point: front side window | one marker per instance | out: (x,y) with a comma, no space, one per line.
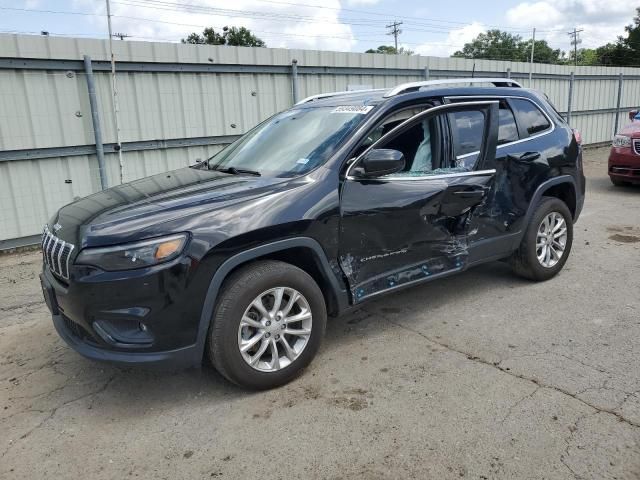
(467,129)
(529,116)
(428,148)
(293,142)
(507,129)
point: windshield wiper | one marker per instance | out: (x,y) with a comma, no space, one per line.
(237,171)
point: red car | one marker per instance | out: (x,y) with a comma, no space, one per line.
(624,159)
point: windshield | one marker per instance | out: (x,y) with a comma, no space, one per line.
(292,142)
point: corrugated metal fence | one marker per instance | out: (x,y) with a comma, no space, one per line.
(179,103)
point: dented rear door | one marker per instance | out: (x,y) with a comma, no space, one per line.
(405,228)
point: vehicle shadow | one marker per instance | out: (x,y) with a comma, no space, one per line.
(603,184)
(162,388)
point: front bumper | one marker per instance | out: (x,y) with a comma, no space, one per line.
(624,165)
(147,317)
(182,357)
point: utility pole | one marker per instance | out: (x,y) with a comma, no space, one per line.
(533,45)
(575,40)
(395,31)
(114,94)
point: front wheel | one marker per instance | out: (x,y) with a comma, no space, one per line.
(546,243)
(267,326)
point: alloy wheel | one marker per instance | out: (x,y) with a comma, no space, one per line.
(551,239)
(274,329)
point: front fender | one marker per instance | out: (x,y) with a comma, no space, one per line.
(339,292)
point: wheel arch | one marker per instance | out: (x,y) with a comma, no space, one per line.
(302,252)
(562,187)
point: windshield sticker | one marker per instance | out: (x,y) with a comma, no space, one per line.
(353,109)
(303,161)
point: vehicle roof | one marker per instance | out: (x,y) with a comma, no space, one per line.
(376,97)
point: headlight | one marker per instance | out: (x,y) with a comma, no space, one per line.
(134,255)
(620,141)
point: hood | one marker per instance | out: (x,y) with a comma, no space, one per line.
(633,129)
(156,205)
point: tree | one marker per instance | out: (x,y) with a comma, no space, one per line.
(542,52)
(390,50)
(496,45)
(499,45)
(242,37)
(234,36)
(633,33)
(208,37)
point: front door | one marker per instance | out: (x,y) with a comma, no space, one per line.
(413,225)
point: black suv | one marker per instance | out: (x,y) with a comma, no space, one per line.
(341,198)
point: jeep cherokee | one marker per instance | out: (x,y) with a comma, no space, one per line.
(333,202)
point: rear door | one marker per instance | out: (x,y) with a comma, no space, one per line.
(413,225)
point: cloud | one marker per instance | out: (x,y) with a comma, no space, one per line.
(455,40)
(279,25)
(358,3)
(602,22)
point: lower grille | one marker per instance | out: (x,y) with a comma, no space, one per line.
(56,253)
(625,170)
(76,329)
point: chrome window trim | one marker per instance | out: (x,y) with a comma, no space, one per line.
(519,97)
(421,177)
(440,176)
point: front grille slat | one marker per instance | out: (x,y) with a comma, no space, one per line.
(56,253)
(636,146)
(59,259)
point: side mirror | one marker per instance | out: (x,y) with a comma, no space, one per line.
(381,161)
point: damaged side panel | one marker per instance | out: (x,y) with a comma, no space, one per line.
(398,231)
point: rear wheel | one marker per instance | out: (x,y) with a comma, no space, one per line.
(546,243)
(267,325)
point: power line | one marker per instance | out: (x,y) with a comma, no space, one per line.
(361,36)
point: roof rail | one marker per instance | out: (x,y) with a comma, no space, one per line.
(333,94)
(413,86)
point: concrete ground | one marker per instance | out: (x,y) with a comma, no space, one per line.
(478,376)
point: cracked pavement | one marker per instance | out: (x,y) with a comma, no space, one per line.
(482,375)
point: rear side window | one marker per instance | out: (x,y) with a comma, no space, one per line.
(467,129)
(530,117)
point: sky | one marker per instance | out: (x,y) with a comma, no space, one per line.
(429,27)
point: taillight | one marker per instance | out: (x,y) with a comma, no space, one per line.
(577,135)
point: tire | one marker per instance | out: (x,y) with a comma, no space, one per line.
(618,183)
(236,302)
(525,261)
